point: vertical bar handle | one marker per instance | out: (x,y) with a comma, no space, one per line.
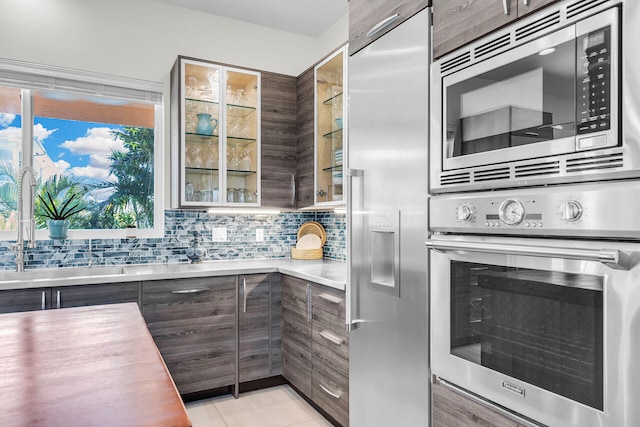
(308,302)
(43,301)
(505,5)
(293,190)
(355,203)
(244,294)
(58,299)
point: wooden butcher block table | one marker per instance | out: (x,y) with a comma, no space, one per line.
(86,366)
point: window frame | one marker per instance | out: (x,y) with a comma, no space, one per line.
(30,77)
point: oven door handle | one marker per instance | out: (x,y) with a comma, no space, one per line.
(613,258)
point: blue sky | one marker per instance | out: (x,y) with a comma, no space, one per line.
(76,148)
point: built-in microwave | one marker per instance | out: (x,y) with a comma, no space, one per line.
(539,102)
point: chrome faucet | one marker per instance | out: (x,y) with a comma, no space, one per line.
(18,247)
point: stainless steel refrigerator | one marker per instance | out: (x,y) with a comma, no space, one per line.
(387,228)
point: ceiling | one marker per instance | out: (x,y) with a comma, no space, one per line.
(307,17)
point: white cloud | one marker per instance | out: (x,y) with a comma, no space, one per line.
(90,172)
(11,133)
(98,144)
(6,119)
(40,133)
(62,165)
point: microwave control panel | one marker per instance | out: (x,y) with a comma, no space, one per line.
(594,81)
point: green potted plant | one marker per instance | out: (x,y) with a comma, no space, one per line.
(59,212)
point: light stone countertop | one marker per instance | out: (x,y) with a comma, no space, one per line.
(325,272)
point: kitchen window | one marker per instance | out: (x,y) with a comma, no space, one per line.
(96,135)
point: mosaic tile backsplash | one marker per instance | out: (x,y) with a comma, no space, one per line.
(280,235)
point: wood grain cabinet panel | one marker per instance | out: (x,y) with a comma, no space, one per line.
(16,300)
(458,22)
(278,140)
(296,333)
(366,14)
(315,345)
(532,6)
(105,293)
(453,409)
(305,140)
(193,322)
(259,327)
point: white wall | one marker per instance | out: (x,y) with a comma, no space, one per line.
(142,38)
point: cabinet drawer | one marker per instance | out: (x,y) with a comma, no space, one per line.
(330,300)
(106,293)
(330,341)
(188,298)
(331,391)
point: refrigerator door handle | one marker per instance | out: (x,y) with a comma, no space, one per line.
(352,314)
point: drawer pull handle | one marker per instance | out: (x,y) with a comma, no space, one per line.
(334,394)
(190,291)
(382,25)
(331,298)
(330,336)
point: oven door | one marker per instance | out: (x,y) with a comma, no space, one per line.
(546,329)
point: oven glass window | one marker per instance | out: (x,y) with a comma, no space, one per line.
(524,102)
(541,327)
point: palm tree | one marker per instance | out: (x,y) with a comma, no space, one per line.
(62,187)
(132,197)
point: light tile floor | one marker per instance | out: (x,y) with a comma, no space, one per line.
(277,406)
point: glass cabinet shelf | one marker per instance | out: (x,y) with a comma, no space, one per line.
(337,98)
(333,134)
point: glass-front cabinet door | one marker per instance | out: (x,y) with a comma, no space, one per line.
(330,128)
(215,135)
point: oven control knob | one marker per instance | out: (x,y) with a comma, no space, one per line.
(571,210)
(464,213)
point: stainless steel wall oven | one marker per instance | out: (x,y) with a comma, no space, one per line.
(547,327)
(546,100)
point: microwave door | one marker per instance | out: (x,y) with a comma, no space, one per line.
(518,105)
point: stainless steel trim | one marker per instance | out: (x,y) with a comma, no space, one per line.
(308,302)
(505,6)
(244,295)
(58,299)
(190,291)
(293,189)
(331,298)
(525,2)
(334,394)
(43,301)
(502,411)
(354,324)
(383,24)
(612,258)
(236,385)
(330,336)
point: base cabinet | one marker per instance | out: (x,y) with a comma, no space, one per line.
(453,409)
(259,327)
(193,323)
(315,346)
(17,300)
